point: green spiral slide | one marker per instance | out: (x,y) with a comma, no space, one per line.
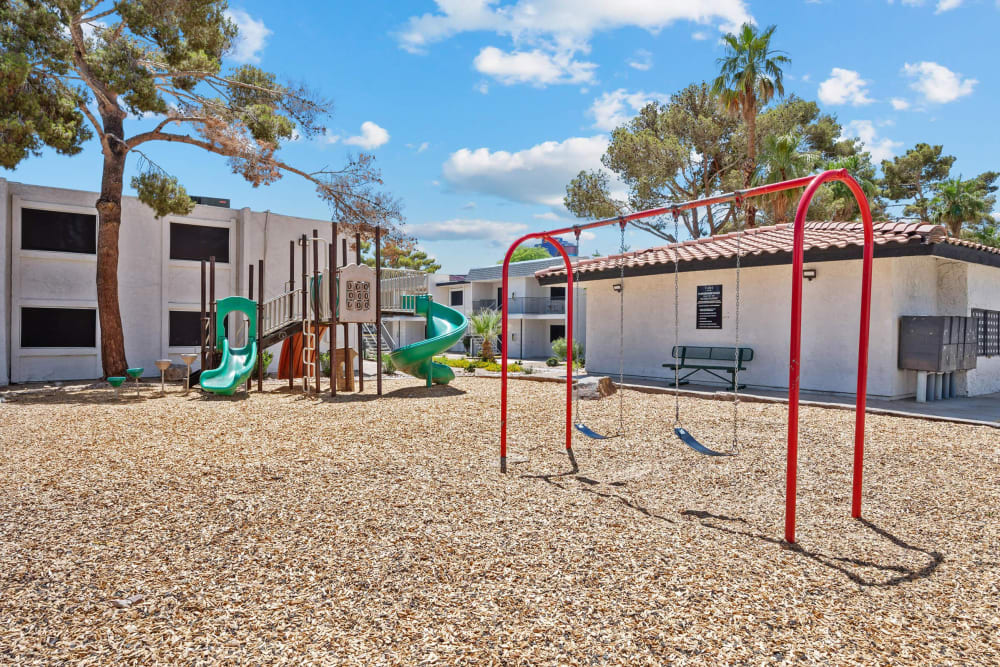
(445,327)
(237,363)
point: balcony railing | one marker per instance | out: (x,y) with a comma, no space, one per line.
(484,304)
(525,305)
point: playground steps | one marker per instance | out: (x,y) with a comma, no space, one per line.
(369,342)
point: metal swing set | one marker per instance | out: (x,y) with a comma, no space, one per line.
(811,185)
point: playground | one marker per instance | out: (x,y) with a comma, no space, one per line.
(278,526)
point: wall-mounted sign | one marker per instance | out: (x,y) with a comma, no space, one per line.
(356,294)
(709,313)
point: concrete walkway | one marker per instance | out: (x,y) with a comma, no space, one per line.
(984,409)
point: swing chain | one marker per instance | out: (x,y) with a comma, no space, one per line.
(621,331)
(739,201)
(677,329)
(576,319)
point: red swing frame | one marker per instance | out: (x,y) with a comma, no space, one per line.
(811,184)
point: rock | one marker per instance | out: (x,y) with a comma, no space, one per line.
(594,388)
(127,602)
(176,373)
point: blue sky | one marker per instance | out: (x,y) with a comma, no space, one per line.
(480,111)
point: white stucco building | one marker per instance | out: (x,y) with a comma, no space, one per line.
(48,287)
(918,270)
(537,313)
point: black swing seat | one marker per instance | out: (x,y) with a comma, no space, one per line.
(591,433)
(689,440)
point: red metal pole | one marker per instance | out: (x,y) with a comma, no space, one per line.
(863,342)
(795,345)
(504,347)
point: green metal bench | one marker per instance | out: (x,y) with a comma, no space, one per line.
(712,360)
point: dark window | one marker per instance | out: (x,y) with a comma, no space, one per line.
(988,331)
(185,328)
(197,242)
(58,231)
(557,293)
(58,327)
(556,331)
(457,297)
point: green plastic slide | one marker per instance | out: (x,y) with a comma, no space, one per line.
(445,327)
(237,363)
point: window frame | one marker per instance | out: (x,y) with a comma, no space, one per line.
(461,299)
(56,209)
(17,207)
(55,350)
(188,222)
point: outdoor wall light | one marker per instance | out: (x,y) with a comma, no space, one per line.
(617,287)
(809,274)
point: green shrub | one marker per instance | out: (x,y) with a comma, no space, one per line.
(559,349)
(324,363)
(268,357)
(388,368)
(552,361)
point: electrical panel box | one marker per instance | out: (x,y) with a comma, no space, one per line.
(938,344)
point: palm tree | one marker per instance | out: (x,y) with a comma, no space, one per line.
(782,158)
(958,202)
(749,77)
(486,323)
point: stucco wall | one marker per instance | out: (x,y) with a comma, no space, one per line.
(150,283)
(984,292)
(830,325)
(4,282)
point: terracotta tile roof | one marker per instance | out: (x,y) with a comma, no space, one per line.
(771,240)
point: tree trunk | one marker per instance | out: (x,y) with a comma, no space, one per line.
(109,210)
(751,163)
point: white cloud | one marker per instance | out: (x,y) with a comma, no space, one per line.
(468,206)
(899,104)
(372,136)
(548,215)
(329,137)
(537,175)
(881,148)
(937,83)
(420,148)
(947,5)
(699,35)
(535,67)
(483,87)
(844,87)
(252,37)
(544,32)
(495,232)
(617,107)
(642,60)
(563,22)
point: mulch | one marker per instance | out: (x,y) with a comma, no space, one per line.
(278,528)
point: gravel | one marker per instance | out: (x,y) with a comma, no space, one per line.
(277,528)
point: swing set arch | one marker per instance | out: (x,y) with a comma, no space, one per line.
(811,185)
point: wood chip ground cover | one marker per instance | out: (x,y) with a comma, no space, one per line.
(283,529)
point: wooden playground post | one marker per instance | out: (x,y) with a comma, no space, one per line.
(305,309)
(260,325)
(361,338)
(347,331)
(291,308)
(211,309)
(204,316)
(378,310)
(249,296)
(333,313)
(316,294)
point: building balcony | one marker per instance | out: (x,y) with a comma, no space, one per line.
(525,305)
